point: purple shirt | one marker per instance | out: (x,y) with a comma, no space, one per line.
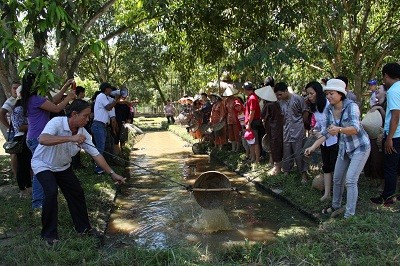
(37,117)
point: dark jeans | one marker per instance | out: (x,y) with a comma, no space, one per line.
(171,119)
(71,188)
(391,164)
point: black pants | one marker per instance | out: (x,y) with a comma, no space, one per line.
(390,168)
(329,155)
(24,178)
(73,193)
(76,161)
(171,119)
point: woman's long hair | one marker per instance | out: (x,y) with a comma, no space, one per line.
(320,103)
(27,90)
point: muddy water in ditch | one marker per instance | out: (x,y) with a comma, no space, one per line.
(155,212)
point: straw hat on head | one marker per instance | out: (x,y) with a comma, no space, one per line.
(266,93)
(230,91)
(197,97)
(216,95)
(336,85)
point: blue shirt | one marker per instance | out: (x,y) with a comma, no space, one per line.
(349,144)
(393,103)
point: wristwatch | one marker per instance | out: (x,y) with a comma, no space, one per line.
(340,130)
(111,172)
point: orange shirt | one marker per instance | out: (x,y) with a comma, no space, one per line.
(218,112)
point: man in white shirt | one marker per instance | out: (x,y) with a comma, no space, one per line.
(59,141)
(5,111)
(8,107)
(101,110)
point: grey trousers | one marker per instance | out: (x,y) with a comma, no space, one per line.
(293,151)
(347,172)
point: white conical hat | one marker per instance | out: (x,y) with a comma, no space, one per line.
(266,93)
(230,91)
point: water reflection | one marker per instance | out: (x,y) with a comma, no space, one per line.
(156,213)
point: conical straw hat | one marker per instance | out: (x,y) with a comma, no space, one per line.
(266,93)
(230,91)
(372,123)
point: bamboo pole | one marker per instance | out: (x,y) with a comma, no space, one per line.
(213,189)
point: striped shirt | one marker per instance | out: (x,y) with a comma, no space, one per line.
(350,144)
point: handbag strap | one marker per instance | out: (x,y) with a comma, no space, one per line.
(10,129)
(340,121)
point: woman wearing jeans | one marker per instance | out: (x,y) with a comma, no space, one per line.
(343,120)
(37,109)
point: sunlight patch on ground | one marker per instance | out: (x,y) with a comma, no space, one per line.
(294,230)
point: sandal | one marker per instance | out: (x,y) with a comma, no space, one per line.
(333,211)
(328,210)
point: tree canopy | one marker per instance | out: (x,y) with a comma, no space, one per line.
(170,47)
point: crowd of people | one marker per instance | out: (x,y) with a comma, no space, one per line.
(53,132)
(275,121)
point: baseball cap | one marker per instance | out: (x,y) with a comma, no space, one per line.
(372,82)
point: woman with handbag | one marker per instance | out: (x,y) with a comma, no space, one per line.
(37,109)
(343,120)
(20,126)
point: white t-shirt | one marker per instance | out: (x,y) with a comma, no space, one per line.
(9,104)
(321,122)
(58,158)
(100,112)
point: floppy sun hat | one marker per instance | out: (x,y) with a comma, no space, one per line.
(266,93)
(336,85)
